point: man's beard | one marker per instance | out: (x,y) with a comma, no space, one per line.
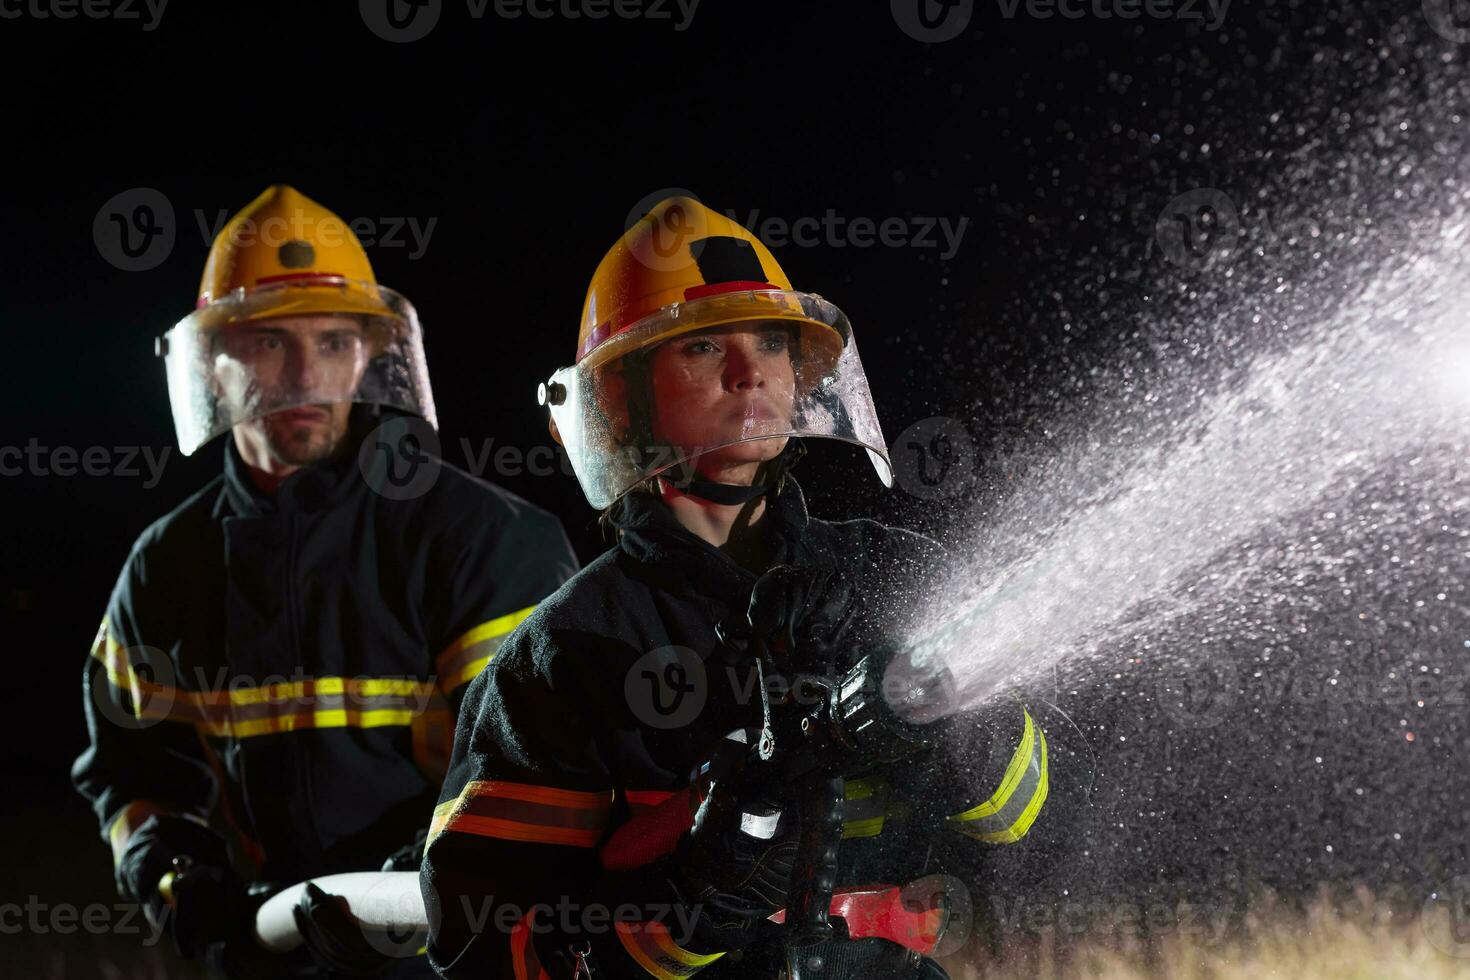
(302,445)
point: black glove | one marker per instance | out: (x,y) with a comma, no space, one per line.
(733,867)
(807,611)
(410,856)
(239,956)
(334,938)
(205,890)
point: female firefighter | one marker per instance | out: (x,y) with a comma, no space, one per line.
(622,797)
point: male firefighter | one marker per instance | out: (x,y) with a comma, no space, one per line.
(271,695)
(626,796)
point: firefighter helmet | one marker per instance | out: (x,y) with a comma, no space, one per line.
(683,268)
(286,256)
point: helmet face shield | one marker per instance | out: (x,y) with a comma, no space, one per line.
(287,345)
(748,367)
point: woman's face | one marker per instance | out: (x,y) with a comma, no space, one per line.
(717,386)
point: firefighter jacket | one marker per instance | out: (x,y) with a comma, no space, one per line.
(557,744)
(286,667)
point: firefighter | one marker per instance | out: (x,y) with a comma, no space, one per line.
(590,825)
(272,693)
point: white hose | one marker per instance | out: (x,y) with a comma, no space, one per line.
(386,904)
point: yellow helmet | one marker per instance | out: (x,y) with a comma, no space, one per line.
(682,267)
(679,252)
(286,256)
(285,238)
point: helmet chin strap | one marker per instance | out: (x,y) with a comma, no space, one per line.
(724,493)
(733,494)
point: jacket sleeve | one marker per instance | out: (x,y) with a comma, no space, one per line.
(986,776)
(145,773)
(495,571)
(512,877)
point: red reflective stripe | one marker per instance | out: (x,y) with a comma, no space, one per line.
(647,797)
(878,911)
(716,288)
(523,954)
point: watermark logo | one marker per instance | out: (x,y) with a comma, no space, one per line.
(1182,10)
(1445,918)
(1449,18)
(1198,695)
(932,21)
(667,687)
(1198,229)
(934,459)
(667,247)
(400,458)
(38,460)
(405,21)
(400,21)
(148,12)
(39,918)
(133,687)
(135,230)
(391,916)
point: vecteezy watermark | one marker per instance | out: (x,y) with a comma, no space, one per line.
(402,458)
(40,918)
(1197,694)
(404,21)
(667,687)
(1203,692)
(1449,18)
(934,458)
(1117,917)
(34,459)
(675,234)
(1184,10)
(1445,917)
(932,21)
(833,230)
(91,9)
(136,230)
(1198,229)
(570,917)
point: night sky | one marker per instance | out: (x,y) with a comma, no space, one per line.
(499,158)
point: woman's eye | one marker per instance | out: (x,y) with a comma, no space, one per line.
(700,347)
(773,342)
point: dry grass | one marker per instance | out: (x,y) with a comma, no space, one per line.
(1362,939)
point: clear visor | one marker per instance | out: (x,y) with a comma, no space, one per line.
(754,367)
(288,345)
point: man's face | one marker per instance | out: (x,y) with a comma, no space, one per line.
(310,363)
(714,387)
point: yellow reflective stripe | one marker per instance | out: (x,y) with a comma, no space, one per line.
(651,947)
(128,819)
(328,718)
(1020,760)
(874,790)
(525,812)
(433,738)
(243,712)
(463,659)
(1028,773)
(1023,823)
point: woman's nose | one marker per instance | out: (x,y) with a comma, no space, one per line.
(742,368)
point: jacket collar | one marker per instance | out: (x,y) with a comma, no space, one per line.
(684,562)
(316,487)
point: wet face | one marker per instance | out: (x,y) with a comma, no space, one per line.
(311,363)
(721,385)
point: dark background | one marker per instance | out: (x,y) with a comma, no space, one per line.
(529,141)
